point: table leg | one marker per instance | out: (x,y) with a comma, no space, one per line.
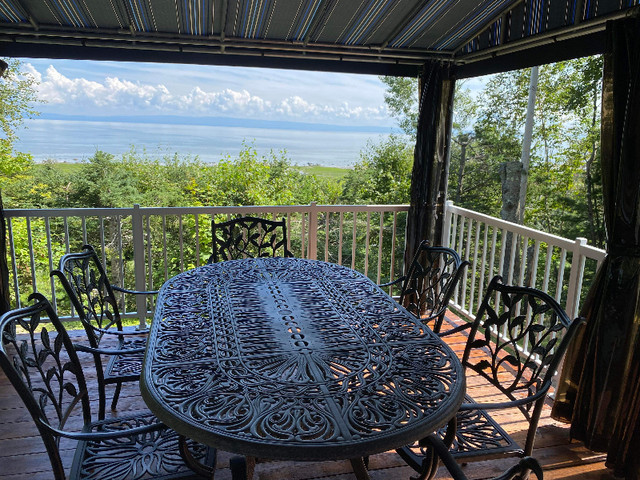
(359,469)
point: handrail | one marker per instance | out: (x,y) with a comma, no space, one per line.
(539,259)
(146,245)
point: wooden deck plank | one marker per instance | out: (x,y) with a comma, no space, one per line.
(22,454)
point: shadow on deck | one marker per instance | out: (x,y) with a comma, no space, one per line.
(22,454)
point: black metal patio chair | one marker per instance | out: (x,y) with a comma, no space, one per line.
(92,296)
(248,237)
(41,363)
(521,470)
(429,284)
(515,344)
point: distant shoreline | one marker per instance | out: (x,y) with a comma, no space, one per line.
(221,122)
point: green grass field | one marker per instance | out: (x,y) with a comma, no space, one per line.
(319,171)
(324,172)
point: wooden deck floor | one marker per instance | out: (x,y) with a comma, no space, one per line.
(22,454)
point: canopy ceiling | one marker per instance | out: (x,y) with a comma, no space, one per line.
(392,37)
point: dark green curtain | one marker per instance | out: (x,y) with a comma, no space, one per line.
(431,157)
(599,390)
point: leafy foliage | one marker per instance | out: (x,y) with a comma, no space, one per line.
(383,174)
(17,94)
(401,98)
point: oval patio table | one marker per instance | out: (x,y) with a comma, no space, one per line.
(293,359)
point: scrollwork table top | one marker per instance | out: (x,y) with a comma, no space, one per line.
(286,358)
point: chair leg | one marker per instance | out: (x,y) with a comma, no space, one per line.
(242,467)
(102,402)
(116,395)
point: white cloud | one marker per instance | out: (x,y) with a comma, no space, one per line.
(113,95)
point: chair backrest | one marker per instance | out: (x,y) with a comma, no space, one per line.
(430,282)
(248,237)
(42,365)
(87,285)
(522,332)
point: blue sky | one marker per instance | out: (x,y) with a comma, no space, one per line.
(120,88)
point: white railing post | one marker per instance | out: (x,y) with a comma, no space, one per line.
(139,264)
(446,227)
(313,231)
(575,277)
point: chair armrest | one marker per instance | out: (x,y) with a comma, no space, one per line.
(510,403)
(106,351)
(101,436)
(134,292)
(122,333)
(395,282)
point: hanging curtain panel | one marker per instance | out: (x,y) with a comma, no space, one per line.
(599,391)
(431,158)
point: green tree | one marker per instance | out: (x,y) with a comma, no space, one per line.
(17,96)
(383,174)
(401,97)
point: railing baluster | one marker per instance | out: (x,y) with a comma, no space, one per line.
(366,247)
(483,266)
(547,268)
(164,247)
(138,263)
(492,259)
(14,263)
(340,238)
(313,231)
(303,235)
(32,259)
(393,247)
(196,219)
(47,228)
(524,260)
(468,255)
(560,276)
(575,278)
(353,240)
(379,273)
(326,236)
(105,228)
(149,261)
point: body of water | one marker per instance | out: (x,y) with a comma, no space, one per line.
(74,140)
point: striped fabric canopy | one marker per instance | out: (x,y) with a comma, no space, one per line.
(375,36)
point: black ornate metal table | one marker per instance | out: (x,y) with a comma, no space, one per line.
(285,358)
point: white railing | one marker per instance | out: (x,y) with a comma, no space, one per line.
(562,267)
(143,247)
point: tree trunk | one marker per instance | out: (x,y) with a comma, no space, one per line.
(463,141)
(526,145)
(510,175)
